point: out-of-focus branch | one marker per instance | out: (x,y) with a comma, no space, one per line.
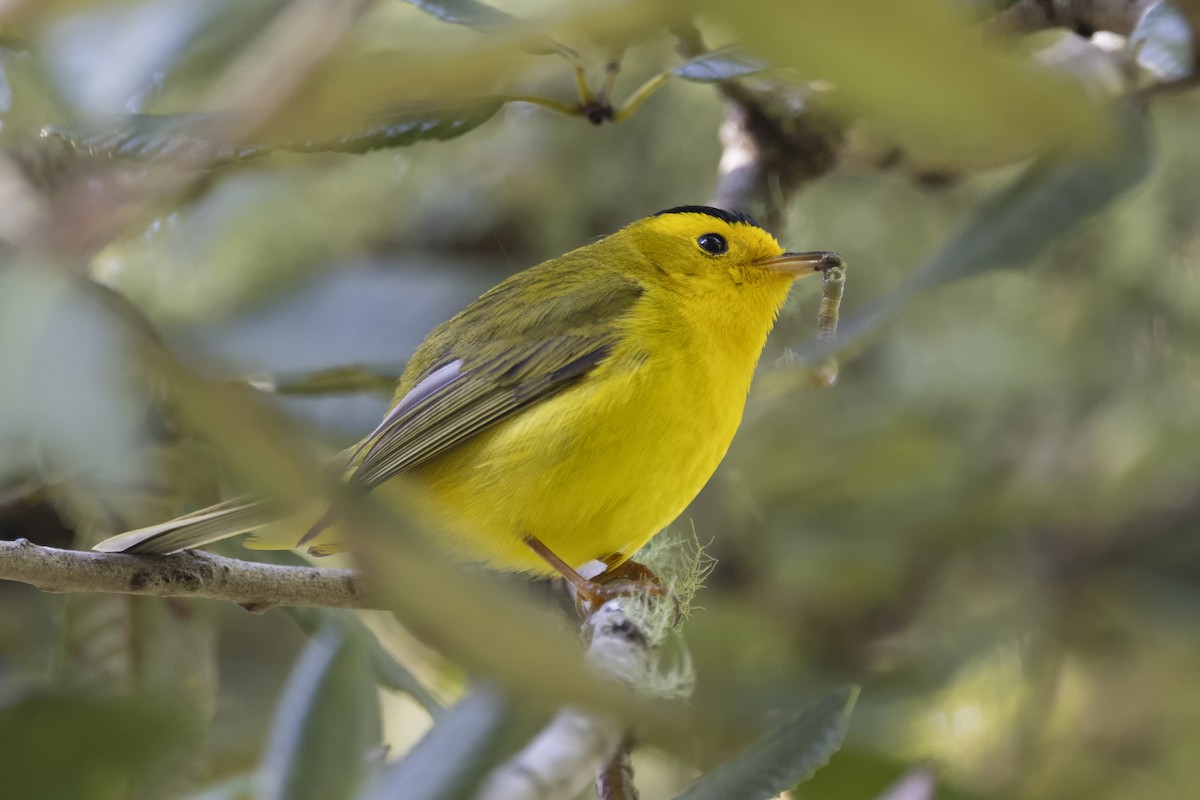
(773,142)
(615,782)
(254,586)
(1085,16)
(576,745)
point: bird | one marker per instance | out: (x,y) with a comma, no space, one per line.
(568,414)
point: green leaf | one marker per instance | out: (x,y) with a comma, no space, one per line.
(1050,198)
(327,723)
(182,137)
(720,66)
(920,73)
(64,745)
(198,138)
(389,673)
(784,757)
(239,787)
(456,755)
(408,124)
(108,58)
(1047,201)
(471,13)
(352,378)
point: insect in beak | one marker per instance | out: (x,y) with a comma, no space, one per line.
(801,264)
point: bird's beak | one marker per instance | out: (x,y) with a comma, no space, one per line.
(801,264)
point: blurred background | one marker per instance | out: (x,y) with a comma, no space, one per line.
(989,522)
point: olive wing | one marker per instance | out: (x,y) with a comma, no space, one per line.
(526,340)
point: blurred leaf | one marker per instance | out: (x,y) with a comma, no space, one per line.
(229,29)
(198,137)
(58,343)
(784,757)
(336,380)
(1046,202)
(719,66)
(471,13)
(1164,43)
(408,124)
(451,760)
(150,649)
(494,629)
(104,57)
(239,787)
(1049,198)
(857,774)
(986,8)
(189,138)
(115,57)
(921,73)
(389,672)
(355,90)
(74,746)
(327,723)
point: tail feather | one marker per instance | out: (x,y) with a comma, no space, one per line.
(197,529)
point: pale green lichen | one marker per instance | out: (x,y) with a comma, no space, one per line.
(681,563)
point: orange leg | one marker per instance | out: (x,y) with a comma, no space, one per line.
(627,579)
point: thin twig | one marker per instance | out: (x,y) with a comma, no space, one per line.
(615,782)
(254,586)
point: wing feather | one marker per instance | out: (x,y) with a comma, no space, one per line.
(496,358)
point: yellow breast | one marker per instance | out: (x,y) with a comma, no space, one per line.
(598,469)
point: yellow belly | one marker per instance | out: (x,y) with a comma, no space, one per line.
(592,472)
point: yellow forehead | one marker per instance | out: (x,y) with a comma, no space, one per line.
(747,242)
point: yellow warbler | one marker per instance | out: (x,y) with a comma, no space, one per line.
(570,413)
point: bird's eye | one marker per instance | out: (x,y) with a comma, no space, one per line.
(713,243)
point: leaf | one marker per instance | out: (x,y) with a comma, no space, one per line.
(352,378)
(157,652)
(198,138)
(1050,198)
(494,629)
(58,342)
(239,787)
(409,124)
(784,757)
(720,66)
(117,57)
(389,673)
(471,13)
(1047,200)
(327,723)
(192,138)
(921,74)
(1163,42)
(108,745)
(483,18)
(454,757)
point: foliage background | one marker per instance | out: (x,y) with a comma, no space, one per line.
(988,523)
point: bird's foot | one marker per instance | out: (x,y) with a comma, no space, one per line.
(625,579)
(629,579)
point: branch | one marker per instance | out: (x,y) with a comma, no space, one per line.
(771,144)
(254,586)
(615,782)
(1085,16)
(576,745)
